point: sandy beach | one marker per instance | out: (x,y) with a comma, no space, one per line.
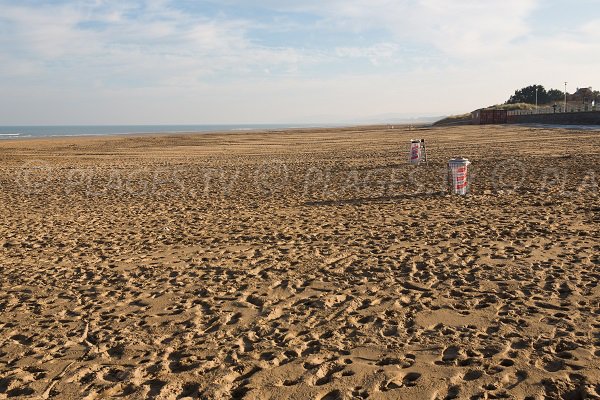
(305,264)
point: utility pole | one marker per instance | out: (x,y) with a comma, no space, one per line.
(565,96)
(536,98)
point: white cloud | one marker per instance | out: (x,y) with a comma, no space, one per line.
(46,32)
(457,26)
(474,28)
(375,53)
(152,45)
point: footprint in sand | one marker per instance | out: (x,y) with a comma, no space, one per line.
(325,374)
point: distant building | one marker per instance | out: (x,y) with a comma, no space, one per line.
(486,116)
(584,95)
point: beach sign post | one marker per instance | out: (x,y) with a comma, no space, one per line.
(458,175)
(417,152)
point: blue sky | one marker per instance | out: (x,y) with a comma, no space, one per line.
(234,61)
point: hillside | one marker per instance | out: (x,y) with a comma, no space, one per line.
(465,119)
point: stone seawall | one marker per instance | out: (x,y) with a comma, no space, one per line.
(570,118)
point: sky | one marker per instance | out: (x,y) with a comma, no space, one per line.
(279,61)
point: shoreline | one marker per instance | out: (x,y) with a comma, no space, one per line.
(6,132)
(287,130)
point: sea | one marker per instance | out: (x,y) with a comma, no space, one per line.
(38,131)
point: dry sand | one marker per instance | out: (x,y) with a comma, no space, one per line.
(301,265)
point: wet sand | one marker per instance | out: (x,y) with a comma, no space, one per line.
(307,264)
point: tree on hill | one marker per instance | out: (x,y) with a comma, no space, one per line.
(527,95)
(555,95)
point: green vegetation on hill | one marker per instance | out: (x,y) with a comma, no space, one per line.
(513,106)
(528,95)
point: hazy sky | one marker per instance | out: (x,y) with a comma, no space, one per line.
(258,61)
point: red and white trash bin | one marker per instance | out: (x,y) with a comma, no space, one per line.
(415,153)
(458,175)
